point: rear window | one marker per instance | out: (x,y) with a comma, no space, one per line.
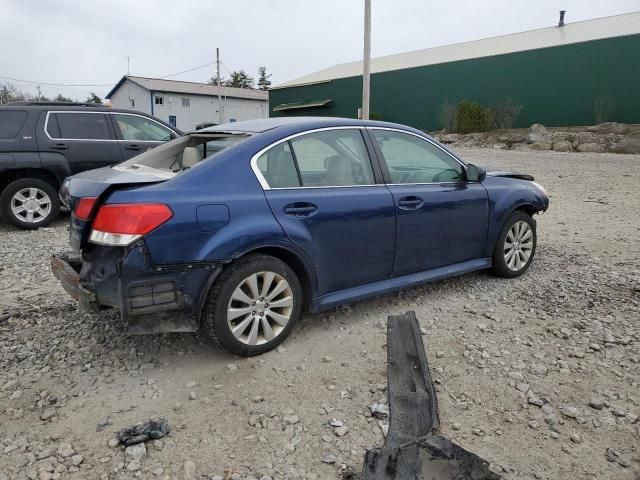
(81,126)
(11,122)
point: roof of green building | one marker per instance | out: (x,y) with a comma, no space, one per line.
(584,31)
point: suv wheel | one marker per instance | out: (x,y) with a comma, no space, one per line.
(253,306)
(516,246)
(29,203)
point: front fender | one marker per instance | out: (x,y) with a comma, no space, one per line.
(505,196)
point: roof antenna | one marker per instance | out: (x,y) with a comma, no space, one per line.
(561,22)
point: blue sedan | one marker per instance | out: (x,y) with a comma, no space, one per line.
(233,230)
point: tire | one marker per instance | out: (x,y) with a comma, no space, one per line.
(231,295)
(29,203)
(519,231)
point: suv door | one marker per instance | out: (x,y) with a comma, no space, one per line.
(441,218)
(85,139)
(322,190)
(137,133)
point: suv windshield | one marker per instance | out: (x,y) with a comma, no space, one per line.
(183,153)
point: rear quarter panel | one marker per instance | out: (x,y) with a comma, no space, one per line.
(505,196)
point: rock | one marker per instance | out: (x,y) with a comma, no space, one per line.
(562,146)
(537,133)
(379,410)
(77,460)
(135,453)
(113,442)
(65,450)
(522,387)
(191,385)
(609,127)
(48,414)
(591,148)
(134,465)
(575,438)
(327,359)
(538,369)
(516,138)
(456,426)
(102,424)
(192,395)
(450,138)
(540,146)
(626,145)
(232,366)
(341,431)
(597,403)
(568,411)
(189,470)
(533,400)
(292,419)
(329,458)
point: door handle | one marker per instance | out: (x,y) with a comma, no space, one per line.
(410,203)
(60,146)
(300,209)
(132,147)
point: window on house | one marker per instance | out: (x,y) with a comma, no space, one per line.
(186,102)
(159,100)
(132,103)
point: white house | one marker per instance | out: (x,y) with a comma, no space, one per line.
(187,104)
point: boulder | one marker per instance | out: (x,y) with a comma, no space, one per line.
(627,145)
(517,138)
(591,148)
(541,145)
(450,138)
(537,133)
(609,127)
(500,146)
(562,146)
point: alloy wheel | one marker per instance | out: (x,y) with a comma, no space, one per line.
(260,308)
(518,246)
(31,205)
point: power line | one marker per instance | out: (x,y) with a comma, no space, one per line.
(51,84)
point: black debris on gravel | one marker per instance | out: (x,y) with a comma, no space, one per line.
(151,429)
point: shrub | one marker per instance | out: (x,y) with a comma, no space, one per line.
(472,117)
(506,111)
(448,115)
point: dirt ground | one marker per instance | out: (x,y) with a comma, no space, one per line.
(540,375)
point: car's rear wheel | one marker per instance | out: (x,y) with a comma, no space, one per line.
(29,203)
(516,246)
(253,306)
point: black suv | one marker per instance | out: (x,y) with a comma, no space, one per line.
(42,143)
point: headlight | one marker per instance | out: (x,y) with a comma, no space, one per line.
(542,189)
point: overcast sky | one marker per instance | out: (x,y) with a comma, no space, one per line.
(87,42)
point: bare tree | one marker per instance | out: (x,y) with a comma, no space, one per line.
(505,112)
(447,115)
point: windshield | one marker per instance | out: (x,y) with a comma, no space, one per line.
(183,153)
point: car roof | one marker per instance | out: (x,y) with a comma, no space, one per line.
(265,124)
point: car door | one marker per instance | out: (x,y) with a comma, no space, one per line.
(322,190)
(137,133)
(441,218)
(86,139)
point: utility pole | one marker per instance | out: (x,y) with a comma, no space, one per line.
(128,71)
(366,67)
(220,116)
(38,88)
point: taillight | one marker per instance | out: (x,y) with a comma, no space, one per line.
(84,207)
(120,224)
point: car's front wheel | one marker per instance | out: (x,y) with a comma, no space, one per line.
(253,306)
(516,246)
(29,203)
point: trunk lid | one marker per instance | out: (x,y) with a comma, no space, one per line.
(98,184)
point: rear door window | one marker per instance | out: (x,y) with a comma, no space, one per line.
(134,127)
(11,122)
(78,126)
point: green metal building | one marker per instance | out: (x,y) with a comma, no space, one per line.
(561,75)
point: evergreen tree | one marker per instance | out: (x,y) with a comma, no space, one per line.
(240,79)
(263,79)
(93,98)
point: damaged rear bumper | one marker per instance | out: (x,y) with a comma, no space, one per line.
(150,298)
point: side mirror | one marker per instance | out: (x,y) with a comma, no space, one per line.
(475,174)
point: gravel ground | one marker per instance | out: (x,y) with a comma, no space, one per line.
(539,375)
